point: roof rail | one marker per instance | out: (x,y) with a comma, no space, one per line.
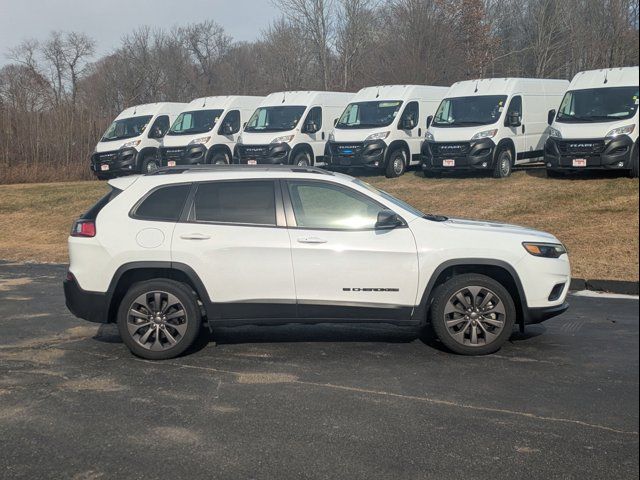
(238,168)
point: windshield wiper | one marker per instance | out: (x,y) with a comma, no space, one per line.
(435,218)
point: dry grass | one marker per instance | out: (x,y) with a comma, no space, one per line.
(597,218)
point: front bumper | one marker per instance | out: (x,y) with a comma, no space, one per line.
(539,315)
(114,163)
(273,154)
(615,154)
(189,155)
(90,306)
(474,155)
(346,155)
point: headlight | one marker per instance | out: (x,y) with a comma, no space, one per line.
(377,136)
(546,250)
(616,132)
(555,133)
(283,139)
(332,137)
(429,136)
(199,140)
(485,134)
(133,143)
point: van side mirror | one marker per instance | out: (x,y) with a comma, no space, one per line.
(429,120)
(551,117)
(156,132)
(408,124)
(227,129)
(388,219)
(514,119)
(311,127)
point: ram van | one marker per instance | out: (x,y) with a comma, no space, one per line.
(491,125)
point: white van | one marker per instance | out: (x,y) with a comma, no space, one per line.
(491,125)
(596,127)
(130,144)
(372,134)
(291,128)
(207,130)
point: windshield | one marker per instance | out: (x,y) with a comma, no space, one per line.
(598,105)
(275,119)
(469,111)
(126,128)
(389,197)
(197,121)
(369,114)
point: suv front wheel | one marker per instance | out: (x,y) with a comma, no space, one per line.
(473,314)
(159,319)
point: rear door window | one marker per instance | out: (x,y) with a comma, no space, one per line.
(163,204)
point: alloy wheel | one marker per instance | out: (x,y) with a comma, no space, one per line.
(157,320)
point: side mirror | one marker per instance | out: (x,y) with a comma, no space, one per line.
(227,129)
(551,117)
(156,133)
(388,219)
(429,120)
(311,127)
(408,124)
(514,119)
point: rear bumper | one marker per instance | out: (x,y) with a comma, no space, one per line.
(470,156)
(274,154)
(90,306)
(539,315)
(367,155)
(190,155)
(614,155)
(119,162)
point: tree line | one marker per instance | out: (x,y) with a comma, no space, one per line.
(57,98)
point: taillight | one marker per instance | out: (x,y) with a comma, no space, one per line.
(83,228)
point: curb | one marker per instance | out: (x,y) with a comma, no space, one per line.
(610,286)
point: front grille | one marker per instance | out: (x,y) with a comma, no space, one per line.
(580,147)
(450,149)
(254,151)
(172,153)
(347,149)
(106,157)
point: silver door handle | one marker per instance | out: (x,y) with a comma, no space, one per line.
(311,240)
(195,236)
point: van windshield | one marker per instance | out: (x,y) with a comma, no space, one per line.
(469,111)
(598,105)
(196,121)
(126,128)
(275,119)
(369,114)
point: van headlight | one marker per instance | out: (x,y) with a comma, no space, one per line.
(429,136)
(131,144)
(377,136)
(199,140)
(486,134)
(283,139)
(555,133)
(545,250)
(616,132)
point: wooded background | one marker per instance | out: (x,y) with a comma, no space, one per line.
(57,98)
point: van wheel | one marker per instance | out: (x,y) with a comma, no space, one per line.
(159,319)
(397,164)
(220,158)
(149,165)
(504,163)
(302,159)
(473,314)
(634,164)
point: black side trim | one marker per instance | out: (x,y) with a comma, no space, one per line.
(539,315)
(531,154)
(347,312)
(90,306)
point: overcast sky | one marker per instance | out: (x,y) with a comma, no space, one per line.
(106,21)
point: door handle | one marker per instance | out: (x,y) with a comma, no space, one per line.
(195,236)
(420,132)
(523,129)
(311,240)
(322,135)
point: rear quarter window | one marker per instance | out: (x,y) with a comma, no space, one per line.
(163,204)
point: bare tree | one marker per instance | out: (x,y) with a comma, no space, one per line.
(207,42)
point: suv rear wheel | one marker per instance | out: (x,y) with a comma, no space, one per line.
(159,319)
(473,314)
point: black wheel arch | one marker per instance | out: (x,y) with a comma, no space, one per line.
(144,154)
(395,145)
(219,148)
(499,270)
(302,147)
(508,143)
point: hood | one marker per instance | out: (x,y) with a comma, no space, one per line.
(496,227)
(116,144)
(184,140)
(458,134)
(571,131)
(357,134)
(263,138)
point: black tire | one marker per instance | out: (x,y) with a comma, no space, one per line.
(219,158)
(397,164)
(635,167)
(189,323)
(470,321)
(504,163)
(302,159)
(554,173)
(149,165)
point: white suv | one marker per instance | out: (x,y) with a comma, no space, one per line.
(164,253)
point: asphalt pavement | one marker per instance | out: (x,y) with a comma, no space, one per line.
(313,402)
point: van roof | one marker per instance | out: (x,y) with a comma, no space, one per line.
(222,102)
(506,86)
(608,77)
(152,109)
(307,97)
(400,92)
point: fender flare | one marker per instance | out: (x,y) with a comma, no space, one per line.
(142,154)
(302,147)
(509,143)
(219,147)
(420,313)
(394,146)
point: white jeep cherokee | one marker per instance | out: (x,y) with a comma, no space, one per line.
(164,253)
